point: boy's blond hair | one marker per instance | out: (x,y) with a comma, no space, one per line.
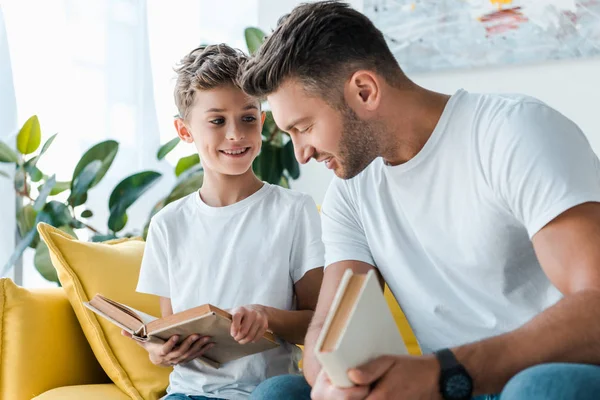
(205,68)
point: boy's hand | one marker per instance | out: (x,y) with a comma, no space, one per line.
(168,354)
(249,323)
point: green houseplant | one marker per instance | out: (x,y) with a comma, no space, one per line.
(42,198)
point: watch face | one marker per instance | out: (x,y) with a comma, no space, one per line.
(458,386)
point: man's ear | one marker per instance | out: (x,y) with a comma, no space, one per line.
(363,92)
(263,116)
(182,131)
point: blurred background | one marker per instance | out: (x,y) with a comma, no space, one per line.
(101,71)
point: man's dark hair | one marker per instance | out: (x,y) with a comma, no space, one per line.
(319,44)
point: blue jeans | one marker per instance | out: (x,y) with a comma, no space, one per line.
(557,381)
(279,387)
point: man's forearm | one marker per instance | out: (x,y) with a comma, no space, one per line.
(311,366)
(569,331)
(291,326)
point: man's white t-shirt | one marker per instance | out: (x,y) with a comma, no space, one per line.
(251,252)
(450,229)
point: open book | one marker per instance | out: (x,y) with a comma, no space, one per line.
(205,320)
(359,328)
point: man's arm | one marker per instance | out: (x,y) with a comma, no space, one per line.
(292,325)
(568,249)
(331,280)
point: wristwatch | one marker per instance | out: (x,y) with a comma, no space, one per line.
(455,381)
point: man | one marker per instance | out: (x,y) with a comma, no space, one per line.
(481,213)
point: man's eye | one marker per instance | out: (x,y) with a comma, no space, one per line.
(217,121)
(305,129)
(249,119)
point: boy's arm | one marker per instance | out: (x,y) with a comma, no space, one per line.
(166,308)
(331,280)
(292,325)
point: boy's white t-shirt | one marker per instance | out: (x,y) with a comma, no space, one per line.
(251,252)
(450,229)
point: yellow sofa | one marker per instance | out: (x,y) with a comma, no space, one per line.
(44,354)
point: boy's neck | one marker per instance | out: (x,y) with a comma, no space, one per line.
(220,190)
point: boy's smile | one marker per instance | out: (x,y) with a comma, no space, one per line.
(225,125)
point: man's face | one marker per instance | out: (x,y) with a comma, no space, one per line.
(341,139)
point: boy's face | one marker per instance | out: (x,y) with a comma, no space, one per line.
(225,125)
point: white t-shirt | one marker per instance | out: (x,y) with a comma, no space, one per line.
(251,252)
(450,229)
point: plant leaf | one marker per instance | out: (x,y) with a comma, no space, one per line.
(44,193)
(60,187)
(125,194)
(105,152)
(26,219)
(185,163)
(6,175)
(19,249)
(47,144)
(269,165)
(87,214)
(185,186)
(103,238)
(30,136)
(7,155)
(34,172)
(254,38)
(167,148)
(83,182)
(289,160)
(57,214)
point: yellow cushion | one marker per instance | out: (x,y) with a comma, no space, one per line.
(88,392)
(110,268)
(405,330)
(42,345)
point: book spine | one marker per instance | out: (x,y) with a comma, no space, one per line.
(336,368)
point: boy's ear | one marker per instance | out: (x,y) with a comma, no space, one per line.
(263,116)
(182,131)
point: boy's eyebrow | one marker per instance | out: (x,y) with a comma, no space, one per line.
(296,122)
(247,107)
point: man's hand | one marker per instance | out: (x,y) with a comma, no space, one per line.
(249,323)
(324,390)
(387,377)
(168,354)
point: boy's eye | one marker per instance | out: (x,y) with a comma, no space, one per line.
(217,121)
(249,119)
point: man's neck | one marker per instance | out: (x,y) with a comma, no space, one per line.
(220,190)
(411,117)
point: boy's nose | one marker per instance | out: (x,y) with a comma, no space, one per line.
(234,134)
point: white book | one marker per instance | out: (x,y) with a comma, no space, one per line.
(359,328)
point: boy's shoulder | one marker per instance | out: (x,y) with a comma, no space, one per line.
(175,210)
(291,197)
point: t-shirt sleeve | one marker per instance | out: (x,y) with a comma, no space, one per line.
(154,273)
(343,233)
(307,248)
(540,164)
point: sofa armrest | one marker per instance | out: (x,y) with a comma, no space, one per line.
(41,343)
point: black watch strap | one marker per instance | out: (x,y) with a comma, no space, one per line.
(446,359)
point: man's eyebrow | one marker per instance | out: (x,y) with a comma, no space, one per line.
(296,122)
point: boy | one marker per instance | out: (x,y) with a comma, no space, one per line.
(238,243)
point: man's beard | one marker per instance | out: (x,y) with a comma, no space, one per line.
(358,144)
